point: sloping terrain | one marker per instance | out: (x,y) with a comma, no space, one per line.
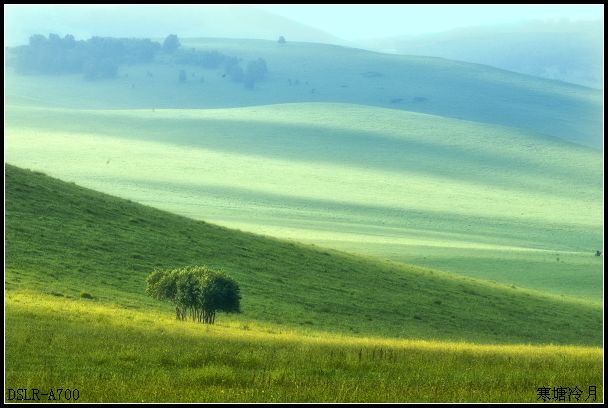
(306,72)
(515,206)
(64,240)
(481,200)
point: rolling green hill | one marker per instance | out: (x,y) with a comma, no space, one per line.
(306,72)
(63,240)
(440,250)
(485,201)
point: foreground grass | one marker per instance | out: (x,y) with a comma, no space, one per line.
(115,355)
(66,240)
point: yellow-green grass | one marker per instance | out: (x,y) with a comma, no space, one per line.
(67,241)
(112,354)
(485,201)
(338,74)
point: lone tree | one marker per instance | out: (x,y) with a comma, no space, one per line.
(195,291)
(171,44)
(281,40)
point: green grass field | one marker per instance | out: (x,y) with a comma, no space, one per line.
(402,229)
(114,354)
(477,199)
(317,325)
(66,240)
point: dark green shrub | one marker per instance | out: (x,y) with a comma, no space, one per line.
(196,291)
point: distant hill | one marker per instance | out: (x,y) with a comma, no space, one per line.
(565,51)
(305,72)
(63,240)
(151,21)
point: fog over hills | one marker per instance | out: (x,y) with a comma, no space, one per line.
(569,51)
(151,21)
(563,50)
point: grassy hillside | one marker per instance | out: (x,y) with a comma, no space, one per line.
(393,240)
(63,240)
(337,74)
(481,200)
(115,355)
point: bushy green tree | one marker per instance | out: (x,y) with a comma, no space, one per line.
(162,285)
(195,291)
(217,293)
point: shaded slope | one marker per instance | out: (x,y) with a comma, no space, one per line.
(64,239)
(477,199)
(305,72)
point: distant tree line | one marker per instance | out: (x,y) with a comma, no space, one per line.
(204,59)
(254,71)
(100,57)
(197,292)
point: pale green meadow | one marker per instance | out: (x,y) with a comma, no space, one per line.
(330,175)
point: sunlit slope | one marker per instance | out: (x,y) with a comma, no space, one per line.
(306,72)
(481,200)
(64,240)
(112,354)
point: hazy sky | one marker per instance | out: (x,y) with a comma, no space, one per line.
(348,22)
(351,22)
